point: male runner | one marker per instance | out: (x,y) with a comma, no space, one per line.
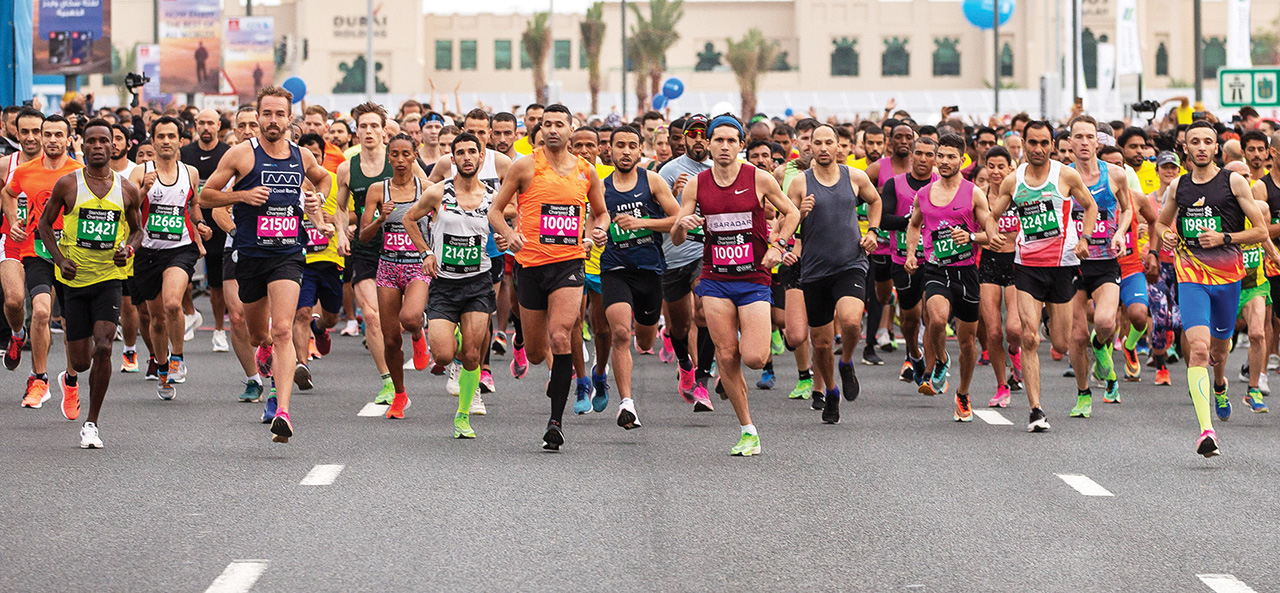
(321,281)
(1134,302)
(204,154)
(899,198)
(92,203)
(1099,275)
(1162,278)
(897,162)
(953,216)
(170,248)
(267,206)
(1048,251)
(1268,189)
(734,282)
(996,289)
(592,388)
(27,123)
(553,187)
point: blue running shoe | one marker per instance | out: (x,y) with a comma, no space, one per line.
(600,400)
(269,411)
(766,380)
(1254,401)
(582,404)
(252,391)
(918,370)
(1222,402)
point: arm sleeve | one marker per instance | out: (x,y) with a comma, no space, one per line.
(890,221)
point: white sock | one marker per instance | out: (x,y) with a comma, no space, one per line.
(130,349)
(748,429)
(255,377)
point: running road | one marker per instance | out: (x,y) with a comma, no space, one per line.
(191,495)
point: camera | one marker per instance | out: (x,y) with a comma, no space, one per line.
(1148,106)
(133,80)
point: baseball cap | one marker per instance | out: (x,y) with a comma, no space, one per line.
(1167,157)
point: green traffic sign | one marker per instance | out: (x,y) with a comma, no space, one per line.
(1256,87)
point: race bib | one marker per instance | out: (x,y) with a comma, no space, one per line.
(902,245)
(1099,241)
(43,251)
(1198,220)
(316,240)
(560,224)
(628,239)
(96,229)
(1008,222)
(396,241)
(946,251)
(697,235)
(732,254)
(278,226)
(461,254)
(1038,220)
(22,208)
(165,222)
(1252,257)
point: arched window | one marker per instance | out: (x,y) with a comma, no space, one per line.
(1006,60)
(844,58)
(946,58)
(1162,60)
(1089,58)
(895,61)
(1215,56)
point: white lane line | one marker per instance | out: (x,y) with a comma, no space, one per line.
(992,417)
(321,475)
(1225,583)
(1084,485)
(238,577)
(371,409)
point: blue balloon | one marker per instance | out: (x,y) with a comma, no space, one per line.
(789,112)
(295,85)
(672,88)
(659,101)
(979,12)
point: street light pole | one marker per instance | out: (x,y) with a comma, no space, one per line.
(1075,49)
(1199,61)
(624,60)
(995,52)
(369,70)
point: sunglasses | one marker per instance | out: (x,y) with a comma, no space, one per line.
(696,133)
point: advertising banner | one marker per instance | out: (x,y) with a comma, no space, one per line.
(72,37)
(249,54)
(190,46)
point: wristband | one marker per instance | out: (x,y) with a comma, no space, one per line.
(973,237)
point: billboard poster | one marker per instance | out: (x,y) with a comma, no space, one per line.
(249,54)
(190,48)
(72,37)
(148,63)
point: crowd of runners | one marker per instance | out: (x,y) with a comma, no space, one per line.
(718,242)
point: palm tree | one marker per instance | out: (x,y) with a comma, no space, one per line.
(592,28)
(749,57)
(651,38)
(536,41)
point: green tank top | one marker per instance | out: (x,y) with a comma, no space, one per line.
(359,184)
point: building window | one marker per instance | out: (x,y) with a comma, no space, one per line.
(563,53)
(582,56)
(895,61)
(444,54)
(502,54)
(1215,56)
(467,54)
(708,58)
(1162,60)
(1006,60)
(782,62)
(844,58)
(946,58)
(526,63)
(1089,58)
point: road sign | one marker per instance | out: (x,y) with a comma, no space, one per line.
(1257,87)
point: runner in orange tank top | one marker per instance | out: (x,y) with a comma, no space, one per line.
(553,187)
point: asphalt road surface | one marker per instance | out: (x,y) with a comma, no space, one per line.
(191,495)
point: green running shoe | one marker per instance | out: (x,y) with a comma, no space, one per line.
(1084,405)
(1105,369)
(586,332)
(803,388)
(462,426)
(1254,401)
(747,446)
(386,395)
(778,347)
(1112,396)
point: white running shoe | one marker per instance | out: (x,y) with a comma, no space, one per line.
(351,329)
(477,406)
(452,384)
(1273,362)
(220,341)
(193,321)
(178,375)
(1262,384)
(89,436)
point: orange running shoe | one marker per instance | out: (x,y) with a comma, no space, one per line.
(70,397)
(398,406)
(37,393)
(313,353)
(130,362)
(421,358)
(1162,377)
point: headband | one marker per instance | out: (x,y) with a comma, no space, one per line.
(725,120)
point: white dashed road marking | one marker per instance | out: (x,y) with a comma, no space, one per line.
(371,409)
(238,577)
(1084,485)
(322,475)
(992,417)
(1225,583)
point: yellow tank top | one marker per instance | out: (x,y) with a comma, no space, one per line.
(91,233)
(319,247)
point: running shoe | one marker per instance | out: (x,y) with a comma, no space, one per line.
(918,371)
(399,404)
(849,381)
(984,359)
(153,370)
(688,382)
(477,406)
(165,390)
(963,412)
(776,345)
(1162,376)
(89,438)
(908,373)
(193,322)
(13,354)
(177,371)
(885,341)
(519,363)
(1105,366)
(1001,399)
(701,399)
(1243,377)
(1263,384)
(802,390)
(451,385)
(747,446)
(351,329)
(1207,444)
(437,368)
(554,437)
(486,382)
(627,414)
(263,356)
(766,380)
(931,387)
(1132,366)
(71,398)
(37,393)
(252,391)
(1222,402)
(1273,362)
(1084,405)
(1037,422)
(302,377)
(55,327)
(642,351)
(869,357)
(668,354)
(586,332)
(421,358)
(499,346)
(1016,371)
(1171,356)
(1112,395)
(462,426)
(819,402)
(1253,399)
(1054,354)
(600,384)
(219,341)
(831,407)
(312,352)
(386,394)
(582,401)
(281,427)
(269,409)
(324,343)
(720,389)
(129,362)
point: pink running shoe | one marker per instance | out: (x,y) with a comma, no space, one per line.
(688,383)
(667,355)
(519,363)
(1016,357)
(486,382)
(702,400)
(1001,400)
(264,359)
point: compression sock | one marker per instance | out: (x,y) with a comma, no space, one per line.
(468,383)
(1201,392)
(681,347)
(706,352)
(1131,341)
(519,332)
(561,380)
